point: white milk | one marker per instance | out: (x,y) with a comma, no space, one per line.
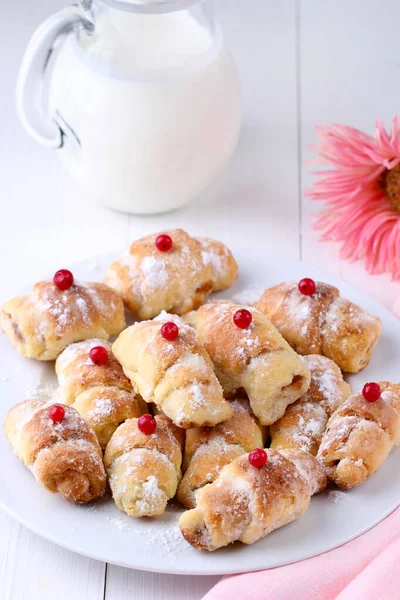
(155,104)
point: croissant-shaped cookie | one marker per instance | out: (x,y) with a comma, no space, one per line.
(246,503)
(176,375)
(99,392)
(304,422)
(144,469)
(177,280)
(64,457)
(209,449)
(43,323)
(255,358)
(323,323)
(360,435)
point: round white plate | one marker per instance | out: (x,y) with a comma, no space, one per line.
(103,532)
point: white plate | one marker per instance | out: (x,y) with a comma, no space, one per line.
(103,532)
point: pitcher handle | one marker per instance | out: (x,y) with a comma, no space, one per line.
(31,74)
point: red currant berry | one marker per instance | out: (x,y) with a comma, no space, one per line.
(307,286)
(163,243)
(147,424)
(242,318)
(98,355)
(170,331)
(63,279)
(57,413)
(258,458)
(371,392)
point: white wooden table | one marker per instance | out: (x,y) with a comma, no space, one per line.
(301,63)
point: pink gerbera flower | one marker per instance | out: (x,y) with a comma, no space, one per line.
(361,191)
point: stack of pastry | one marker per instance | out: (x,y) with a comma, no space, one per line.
(304,422)
(209,449)
(99,392)
(220,379)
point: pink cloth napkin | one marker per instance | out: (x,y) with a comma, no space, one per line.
(396,309)
(365,569)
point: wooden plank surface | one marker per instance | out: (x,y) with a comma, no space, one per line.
(31,567)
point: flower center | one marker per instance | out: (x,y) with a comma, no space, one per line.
(391,185)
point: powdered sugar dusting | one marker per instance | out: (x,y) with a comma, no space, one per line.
(326,376)
(59,307)
(165,317)
(164,535)
(327,383)
(339,430)
(314,427)
(213,260)
(195,362)
(387,396)
(302,310)
(118,524)
(154,271)
(41,391)
(310,426)
(168,539)
(332,318)
(82,307)
(336,496)
(153,495)
(198,396)
(130,263)
(197,399)
(98,302)
(103,408)
(359,318)
(72,351)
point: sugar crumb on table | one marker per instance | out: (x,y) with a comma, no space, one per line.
(336,496)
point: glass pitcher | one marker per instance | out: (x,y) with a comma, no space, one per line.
(141,99)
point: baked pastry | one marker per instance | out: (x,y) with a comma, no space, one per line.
(219,258)
(360,435)
(209,449)
(99,392)
(178,280)
(144,469)
(246,503)
(64,456)
(304,422)
(323,323)
(41,324)
(176,375)
(256,358)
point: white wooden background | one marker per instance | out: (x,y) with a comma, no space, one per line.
(301,63)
